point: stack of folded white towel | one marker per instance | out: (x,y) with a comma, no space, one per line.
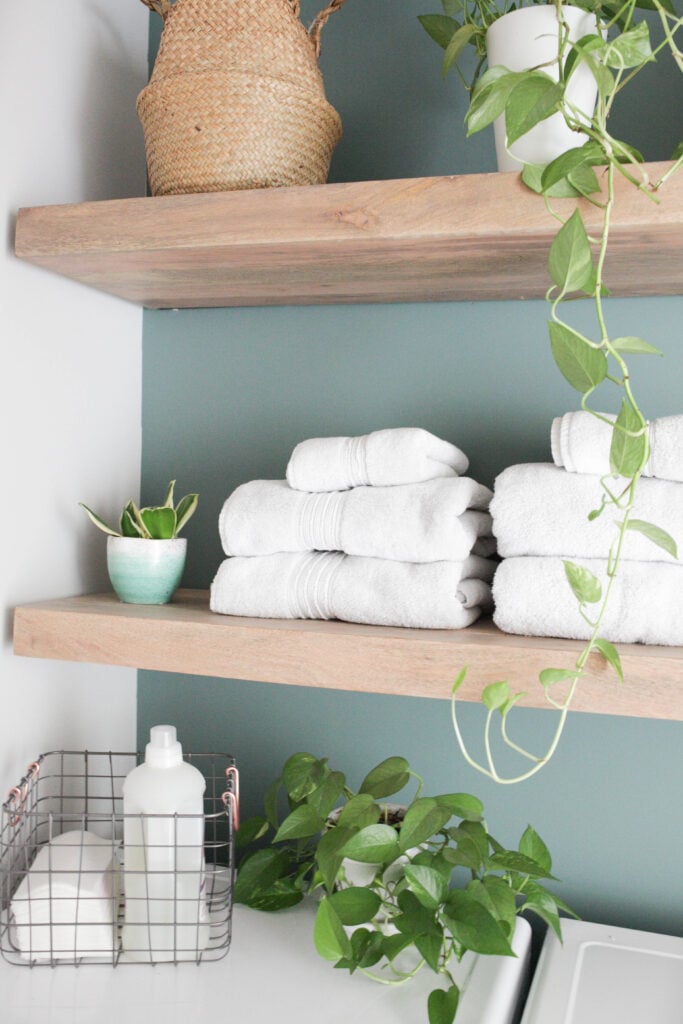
(540,518)
(380,529)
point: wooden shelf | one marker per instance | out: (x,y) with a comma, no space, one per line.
(473,237)
(185,637)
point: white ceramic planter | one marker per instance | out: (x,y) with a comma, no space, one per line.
(145,571)
(524,39)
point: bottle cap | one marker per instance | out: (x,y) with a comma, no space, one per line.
(163,749)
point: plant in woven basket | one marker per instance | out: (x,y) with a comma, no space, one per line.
(615,54)
(397,892)
(236,98)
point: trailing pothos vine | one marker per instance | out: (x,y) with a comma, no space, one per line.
(615,54)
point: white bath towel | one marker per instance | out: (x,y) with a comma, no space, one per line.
(539,509)
(331,585)
(427,522)
(532,597)
(581,444)
(402,455)
(66,904)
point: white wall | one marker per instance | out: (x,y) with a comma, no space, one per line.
(70,385)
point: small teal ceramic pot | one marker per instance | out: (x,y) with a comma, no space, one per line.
(145,571)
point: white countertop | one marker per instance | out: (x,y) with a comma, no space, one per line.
(272,972)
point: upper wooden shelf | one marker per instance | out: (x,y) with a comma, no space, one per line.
(185,637)
(477,236)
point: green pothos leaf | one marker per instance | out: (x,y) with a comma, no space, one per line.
(656,534)
(442,1005)
(586,587)
(611,654)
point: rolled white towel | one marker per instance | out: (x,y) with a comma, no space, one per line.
(427,522)
(66,904)
(539,509)
(401,455)
(331,585)
(532,597)
(581,444)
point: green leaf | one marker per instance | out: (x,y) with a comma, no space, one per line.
(442,1005)
(586,587)
(459,680)
(490,98)
(251,830)
(429,947)
(563,165)
(302,823)
(331,941)
(509,860)
(570,261)
(428,885)
(532,176)
(581,365)
(374,844)
(99,523)
(386,778)
(531,845)
(550,676)
(610,652)
(328,854)
(415,918)
(423,819)
(360,811)
(496,695)
(656,534)
(630,49)
(462,805)
(538,900)
(627,452)
(459,41)
(355,905)
(258,872)
(585,181)
(366,947)
(325,797)
(535,98)
(502,897)
(440,27)
(474,927)
(635,346)
(168,501)
(302,774)
(129,523)
(185,510)
(159,522)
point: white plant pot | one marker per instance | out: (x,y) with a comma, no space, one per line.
(145,571)
(525,39)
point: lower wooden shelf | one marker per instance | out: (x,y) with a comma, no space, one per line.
(185,637)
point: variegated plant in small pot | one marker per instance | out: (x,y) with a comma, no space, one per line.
(145,556)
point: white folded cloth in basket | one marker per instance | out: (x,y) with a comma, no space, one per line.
(432,521)
(581,444)
(331,585)
(66,903)
(532,597)
(399,455)
(540,509)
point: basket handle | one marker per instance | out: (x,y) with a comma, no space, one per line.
(161,7)
(320,21)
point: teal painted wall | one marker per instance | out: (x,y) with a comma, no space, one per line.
(228,393)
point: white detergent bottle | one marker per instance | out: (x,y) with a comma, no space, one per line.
(163,838)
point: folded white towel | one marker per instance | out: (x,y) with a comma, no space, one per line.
(331,585)
(402,455)
(427,522)
(532,597)
(581,444)
(539,509)
(65,905)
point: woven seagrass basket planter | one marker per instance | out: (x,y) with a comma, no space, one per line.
(236,98)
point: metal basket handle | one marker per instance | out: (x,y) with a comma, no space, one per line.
(231,797)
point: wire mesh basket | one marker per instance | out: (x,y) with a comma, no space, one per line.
(69,895)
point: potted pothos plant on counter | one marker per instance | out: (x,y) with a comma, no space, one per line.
(585,171)
(145,555)
(387,879)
